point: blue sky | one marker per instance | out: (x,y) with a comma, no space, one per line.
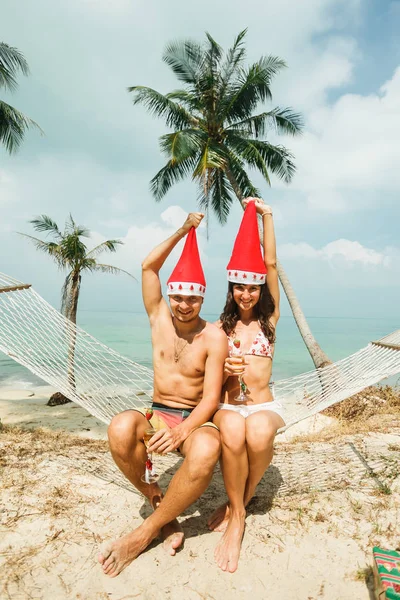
(337,223)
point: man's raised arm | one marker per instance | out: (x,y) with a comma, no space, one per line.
(151,285)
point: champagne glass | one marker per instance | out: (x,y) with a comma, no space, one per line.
(150,475)
(238,353)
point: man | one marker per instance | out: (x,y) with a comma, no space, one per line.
(188,361)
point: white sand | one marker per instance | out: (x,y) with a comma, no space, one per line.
(307,546)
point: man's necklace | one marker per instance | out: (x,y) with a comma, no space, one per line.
(178,350)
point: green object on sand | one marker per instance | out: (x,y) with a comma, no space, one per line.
(386,574)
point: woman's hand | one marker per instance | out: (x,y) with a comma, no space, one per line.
(261,207)
(234,365)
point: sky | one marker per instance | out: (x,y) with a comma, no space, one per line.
(337,223)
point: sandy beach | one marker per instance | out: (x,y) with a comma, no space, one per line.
(326,500)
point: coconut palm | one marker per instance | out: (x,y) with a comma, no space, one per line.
(70,253)
(217,138)
(13,123)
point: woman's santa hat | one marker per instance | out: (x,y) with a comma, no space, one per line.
(247,264)
(187,279)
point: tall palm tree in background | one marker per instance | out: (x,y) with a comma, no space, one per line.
(70,253)
(13,123)
(216,137)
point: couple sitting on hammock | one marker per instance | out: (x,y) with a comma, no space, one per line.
(193,361)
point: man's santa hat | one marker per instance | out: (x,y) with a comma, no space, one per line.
(187,279)
(247,264)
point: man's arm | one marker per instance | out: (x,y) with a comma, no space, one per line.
(167,440)
(151,285)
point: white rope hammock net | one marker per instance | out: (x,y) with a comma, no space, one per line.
(106,383)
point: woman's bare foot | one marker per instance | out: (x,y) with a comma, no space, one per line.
(173,537)
(227,551)
(220,518)
(117,555)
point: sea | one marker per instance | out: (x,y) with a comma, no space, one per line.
(128,333)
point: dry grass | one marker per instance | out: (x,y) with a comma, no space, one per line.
(371,401)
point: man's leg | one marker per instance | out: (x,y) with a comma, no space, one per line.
(201,451)
(125,435)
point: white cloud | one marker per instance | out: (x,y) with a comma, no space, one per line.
(351,252)
(351,149)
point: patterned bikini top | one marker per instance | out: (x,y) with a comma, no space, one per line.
(261,346)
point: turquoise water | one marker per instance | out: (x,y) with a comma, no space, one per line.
(129,334)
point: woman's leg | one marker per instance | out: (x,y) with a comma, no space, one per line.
(234,432)
(261,428)
(235,470)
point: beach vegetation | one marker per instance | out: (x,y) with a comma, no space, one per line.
(70,253)
(218,135)
(13,123)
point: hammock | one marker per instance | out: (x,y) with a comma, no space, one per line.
(105,383)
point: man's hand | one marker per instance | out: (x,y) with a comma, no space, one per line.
(234,365)
(192,220)
(261,207)
(165,440)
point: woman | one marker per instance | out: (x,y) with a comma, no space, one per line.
(248,425)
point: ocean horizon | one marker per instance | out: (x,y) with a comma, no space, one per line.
(128,333)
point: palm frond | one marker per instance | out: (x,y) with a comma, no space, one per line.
(211,157)
(284,121)
(161,106)
(236,168)
(71,228)
(11,61)
(13,126)
(188,98)
(183,144)
(219,196)
(50,248)
(185,59)
(249,152)
(108,245)
(111,270)
(171,173)
(253,86)
(44,223)
(73,250)
(277,158)
(234,58)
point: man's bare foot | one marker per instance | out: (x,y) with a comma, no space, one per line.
(220,518)
(173,537)
(172,532)
(117,555)
(227,551)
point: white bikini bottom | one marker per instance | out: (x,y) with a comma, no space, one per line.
(249,409)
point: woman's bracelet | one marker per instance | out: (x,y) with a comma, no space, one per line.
(266,213)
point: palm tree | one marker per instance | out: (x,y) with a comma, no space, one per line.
(13,123)
(70,253)
(217,136)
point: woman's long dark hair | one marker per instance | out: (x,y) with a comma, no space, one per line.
(263,310)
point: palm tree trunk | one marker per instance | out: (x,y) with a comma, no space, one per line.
(72,317)
(58,398)
(320,359)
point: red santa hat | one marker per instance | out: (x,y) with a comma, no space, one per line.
(247,264)
(187,279)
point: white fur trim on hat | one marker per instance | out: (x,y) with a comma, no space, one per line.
(185,288)
(245,277)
